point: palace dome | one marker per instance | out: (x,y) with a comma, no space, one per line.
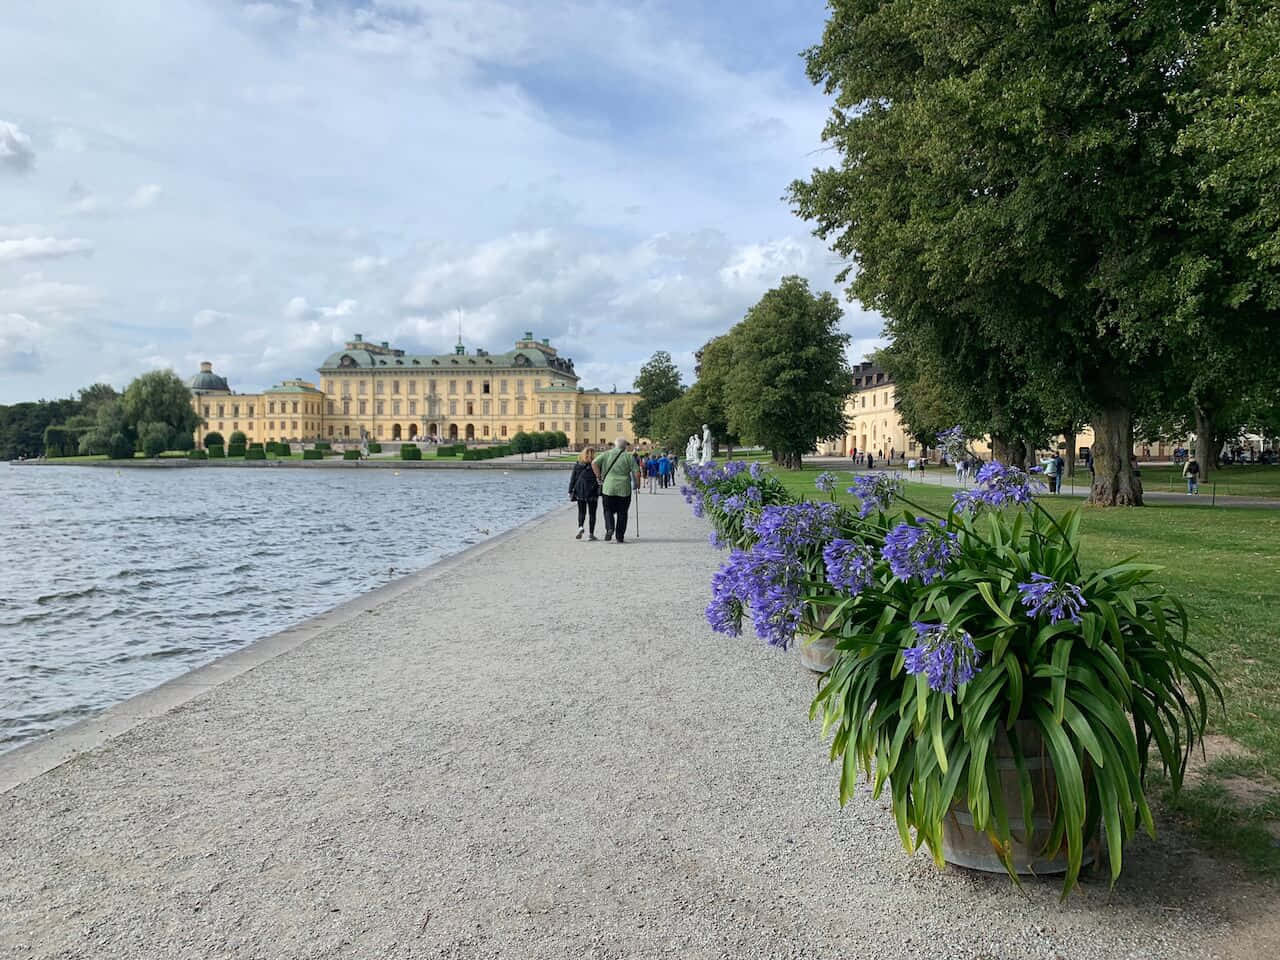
(206,381)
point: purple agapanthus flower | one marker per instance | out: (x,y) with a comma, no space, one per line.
(877,492)
(764,582)
(850,565)
(919,550)
(999,486)
(947,656)
(825,481)
(953,443)
(1062,601)
(716,540)
(793,527)
(755,470)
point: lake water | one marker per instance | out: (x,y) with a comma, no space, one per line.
(113,581)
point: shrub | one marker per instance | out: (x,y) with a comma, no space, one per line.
(255,446)
(562,439)
(235,449)
(312,454)
(215,452)
(237,436)
(410,452)
(322,444)
(255,453)
(182,441)
(213,439)
(375,448)
(351,455)
(197,455)
(470,455)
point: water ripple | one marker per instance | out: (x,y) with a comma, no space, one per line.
(127,580)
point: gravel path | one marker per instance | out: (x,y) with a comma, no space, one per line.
(538,752)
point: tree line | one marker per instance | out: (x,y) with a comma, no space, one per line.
(1066,212)
(153,414)
(778,378)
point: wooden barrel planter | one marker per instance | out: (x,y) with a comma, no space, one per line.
(964,846)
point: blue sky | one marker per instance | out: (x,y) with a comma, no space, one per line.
(252,182)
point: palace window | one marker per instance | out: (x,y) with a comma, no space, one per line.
(220,408)
(603,411)
(206,411)
(619,426)
(542,426)
(413,387)
(502,386)
(346,431)
(413,407)
(236,425)
(486,429)
(471,386)
(519,385)
(293,425)
(542,406)
(251,409)
(453,386)
(364,407)
(395,407)
(431,387)
(502,406)
(395,386)
(328,386)
(295,406)
(331,429)
(503,430)
(378,386)
(346,388)
(471,409)
(453,407)
(332,406)
(484,386)
(363,387)
(377,407)
(617,410)
(604,427)
(379,430)
(484,407)
(346,408)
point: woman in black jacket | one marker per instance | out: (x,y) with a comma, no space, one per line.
(585,489)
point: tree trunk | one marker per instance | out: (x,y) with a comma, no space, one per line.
(1069,434)
(1114,483)
(1205,443)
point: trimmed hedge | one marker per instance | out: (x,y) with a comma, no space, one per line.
(215,452)
(238,436)
(322,444)
(255,446)
(351,455)
(255,454)
(375,448)
(410,452)
(197,455)
(213,439)
(312,454)
(235,450)
(485,453)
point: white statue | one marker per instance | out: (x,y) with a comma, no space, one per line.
(706,444)
(691,449)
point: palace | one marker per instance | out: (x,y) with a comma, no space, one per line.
(874,424)
(380,393)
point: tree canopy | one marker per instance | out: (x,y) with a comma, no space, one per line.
(1010,179)
(658,384)
(787,381)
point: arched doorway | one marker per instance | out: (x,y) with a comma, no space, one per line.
(431,431)
(453,431)
(395,432)
(471,431)
(413,430)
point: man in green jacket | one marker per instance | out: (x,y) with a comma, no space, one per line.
(616,470)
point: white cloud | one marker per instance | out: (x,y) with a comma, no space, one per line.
(145,196)
(367,264)
(16,153)
(43,248)
(206,318)
(49,297)
(298,309)
(19,340)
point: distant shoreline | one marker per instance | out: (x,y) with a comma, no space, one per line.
(175,463)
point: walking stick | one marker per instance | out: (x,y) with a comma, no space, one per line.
(637,499)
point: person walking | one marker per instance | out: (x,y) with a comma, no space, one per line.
(871,462)
(1191,471)
(664,471)
(584,489)
(1050,465)
(616,469)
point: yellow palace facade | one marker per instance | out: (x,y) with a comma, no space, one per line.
(380,393)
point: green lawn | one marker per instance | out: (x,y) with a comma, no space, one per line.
(1225,566)
(1246,480)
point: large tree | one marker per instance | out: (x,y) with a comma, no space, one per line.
(789,379)
(1010,166)
(161,397)
(658,384)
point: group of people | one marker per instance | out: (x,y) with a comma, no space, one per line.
(608,479)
